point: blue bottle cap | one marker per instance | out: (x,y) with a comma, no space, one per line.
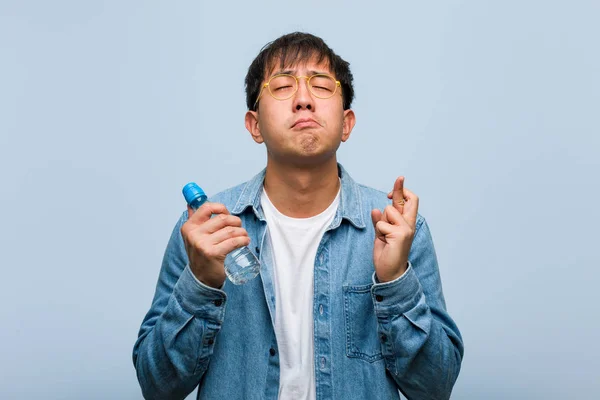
(192,192)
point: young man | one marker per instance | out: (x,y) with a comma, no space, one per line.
(343,308)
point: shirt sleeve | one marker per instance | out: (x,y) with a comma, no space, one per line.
(177,335)
(421,344)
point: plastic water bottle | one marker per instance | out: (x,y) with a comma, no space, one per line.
(241,265)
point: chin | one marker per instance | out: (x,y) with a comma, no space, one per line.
(309,144)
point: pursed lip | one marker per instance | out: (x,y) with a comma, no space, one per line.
(305,122)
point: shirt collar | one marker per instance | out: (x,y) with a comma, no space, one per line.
(350,208)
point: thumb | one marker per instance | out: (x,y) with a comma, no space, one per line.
(375,217)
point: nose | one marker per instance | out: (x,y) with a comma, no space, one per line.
(303,98)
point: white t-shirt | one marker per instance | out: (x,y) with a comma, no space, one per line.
(295,242)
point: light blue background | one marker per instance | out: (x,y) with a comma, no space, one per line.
(490,109)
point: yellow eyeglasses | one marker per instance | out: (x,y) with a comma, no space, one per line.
(284,86)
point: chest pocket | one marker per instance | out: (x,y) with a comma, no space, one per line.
(362,340)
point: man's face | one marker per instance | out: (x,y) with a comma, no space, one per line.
(303,129)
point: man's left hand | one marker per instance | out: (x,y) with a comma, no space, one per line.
(394,232)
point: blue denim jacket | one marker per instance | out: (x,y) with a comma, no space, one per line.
(370,339)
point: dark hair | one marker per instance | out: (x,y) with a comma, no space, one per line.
(292,49)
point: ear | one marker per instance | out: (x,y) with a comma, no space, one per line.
(251,121)
(348,125)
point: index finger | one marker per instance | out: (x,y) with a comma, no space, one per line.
(398,198)
(206,211)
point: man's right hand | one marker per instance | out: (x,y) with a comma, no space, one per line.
(208,240)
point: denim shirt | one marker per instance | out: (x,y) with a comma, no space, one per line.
(371,339)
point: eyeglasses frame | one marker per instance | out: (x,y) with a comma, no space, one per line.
(308,78)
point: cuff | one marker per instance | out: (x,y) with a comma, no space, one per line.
(397,296)
(199,299)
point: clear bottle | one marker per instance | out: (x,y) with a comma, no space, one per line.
(241,265)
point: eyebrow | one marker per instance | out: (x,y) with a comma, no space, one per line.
(293,72)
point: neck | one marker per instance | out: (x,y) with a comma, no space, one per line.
(301,191)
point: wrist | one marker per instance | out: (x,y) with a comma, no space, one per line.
(214,280)
(384,278)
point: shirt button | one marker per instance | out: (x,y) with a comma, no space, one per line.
(218,302)
(383,338)
(210,341)
(272,351)
(379,297)
(257,250)
(321,309)
(322,362)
